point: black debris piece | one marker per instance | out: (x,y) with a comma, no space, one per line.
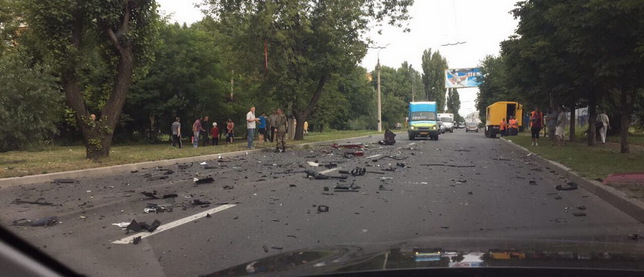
(558,197)
(445,227)
(568,186)
(291,185)
(197,202)
(343,188)
(159,177)
(583,208)
(325,188)
(64,181)
(635,237)
(277,247)
(227,187)
(390,138)
(154,226)
(382,187)
(265,248)
(204,180)
(184,166)
(45,221)
(323,209)
(470,193)
(134,226)
(136,240)
(40,201)
(579,214)
(140,226)
(134,171)
(359,171)
(532,182)
(210,167)
(291,236)
(172,195)
(168,172)
(150,195)
(331,165)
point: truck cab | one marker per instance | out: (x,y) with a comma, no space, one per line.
(423,120)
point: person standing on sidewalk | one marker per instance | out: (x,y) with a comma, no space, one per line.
(536,121)
(272,121)
(214,133)
(280,130)
(230,131)
(205,126)
(504,127)
(176,133)
(196,129)
(560,131)
(262,128)
(551,123)
(605,125)
(251,121)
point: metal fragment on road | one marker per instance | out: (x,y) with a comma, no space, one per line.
(568,186)
(323,208)
(203,180)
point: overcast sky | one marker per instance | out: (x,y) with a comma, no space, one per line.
(482,24)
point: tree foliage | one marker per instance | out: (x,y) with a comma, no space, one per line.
(454,104)
(29,101)
(434,66)
(294,48)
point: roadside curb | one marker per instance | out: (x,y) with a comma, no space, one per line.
(126,168)
(616,198)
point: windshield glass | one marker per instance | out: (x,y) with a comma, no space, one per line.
(188,137)
(418,116)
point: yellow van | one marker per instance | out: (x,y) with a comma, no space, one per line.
(497,112)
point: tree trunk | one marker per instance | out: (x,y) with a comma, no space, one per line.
(627,102)
(300,117)
(573,122)
(592,118)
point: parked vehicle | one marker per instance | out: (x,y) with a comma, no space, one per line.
(496,112)
(423,120)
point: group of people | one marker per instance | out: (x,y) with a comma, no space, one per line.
(509,127)
(269,128)
(556,121)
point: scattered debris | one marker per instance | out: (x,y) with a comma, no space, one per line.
(45,221)
(583,208)
(568,186)
(348,146)
(40,201)
(532,182)
(64,181)
(140,226)
(265,248)
(320,176)
(350,154)
(150,195)
(171,195)
(579,214)
(122,224)
(155,208)
(390,138)
(449,165)
(227,187)
(343,188)
(158,177)
(136,240)
(203,180)
(635,237)
(382,187)
(323,209)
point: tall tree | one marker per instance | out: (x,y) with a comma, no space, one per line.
(296,47)
(121,32)
(434,66)
(493,84)
(454,103)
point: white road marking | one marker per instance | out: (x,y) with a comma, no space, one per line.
(374,156)
(329,170)
(168,226)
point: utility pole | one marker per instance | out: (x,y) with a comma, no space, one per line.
(379,101)
(411,77)
(379,97)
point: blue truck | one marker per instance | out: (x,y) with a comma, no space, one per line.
(422,120)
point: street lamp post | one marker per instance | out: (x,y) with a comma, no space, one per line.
(379,100)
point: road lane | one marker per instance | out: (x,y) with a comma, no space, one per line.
(276,207)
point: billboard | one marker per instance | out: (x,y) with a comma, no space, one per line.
(462,77)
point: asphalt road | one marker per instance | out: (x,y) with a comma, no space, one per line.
(462,186)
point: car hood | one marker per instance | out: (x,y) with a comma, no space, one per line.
(447,253)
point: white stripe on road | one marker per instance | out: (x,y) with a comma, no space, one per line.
(329,170)
(168,226)
(374,156)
